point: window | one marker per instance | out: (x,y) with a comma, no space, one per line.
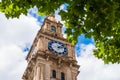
(53,73)
(62,76)
(53,29)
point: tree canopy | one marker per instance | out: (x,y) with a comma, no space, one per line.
(99,19)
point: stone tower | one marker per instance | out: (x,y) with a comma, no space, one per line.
(51,57)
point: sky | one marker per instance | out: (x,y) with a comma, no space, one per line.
(17,35)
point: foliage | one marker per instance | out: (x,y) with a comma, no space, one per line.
(99,19)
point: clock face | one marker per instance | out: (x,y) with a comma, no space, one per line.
(57,47)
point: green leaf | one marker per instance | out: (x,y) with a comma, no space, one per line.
(99,19)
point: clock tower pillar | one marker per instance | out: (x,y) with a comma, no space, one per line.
(51,57)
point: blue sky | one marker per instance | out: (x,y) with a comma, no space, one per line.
(82,40)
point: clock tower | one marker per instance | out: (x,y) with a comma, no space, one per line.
(51,57)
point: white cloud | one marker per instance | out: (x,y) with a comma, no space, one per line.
(17,31)
(14,35)
(95,69)
(12,62)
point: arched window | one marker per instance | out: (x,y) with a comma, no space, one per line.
(53,74)
(53,29)
(62,76)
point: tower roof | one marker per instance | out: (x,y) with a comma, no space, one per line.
(51,17)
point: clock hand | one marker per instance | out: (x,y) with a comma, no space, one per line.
(54,45)
(61,46)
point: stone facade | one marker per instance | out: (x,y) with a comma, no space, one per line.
(46,65)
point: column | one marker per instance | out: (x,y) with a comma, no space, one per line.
(47,72)
(38,73)
(69,75)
